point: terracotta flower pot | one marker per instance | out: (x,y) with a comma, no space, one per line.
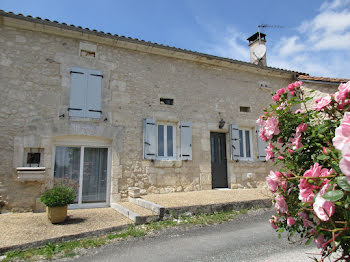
(56,214)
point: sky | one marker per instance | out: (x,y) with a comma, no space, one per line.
(312,36)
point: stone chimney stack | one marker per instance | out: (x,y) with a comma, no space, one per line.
(254,43)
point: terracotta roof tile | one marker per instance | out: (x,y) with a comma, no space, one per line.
(323,79)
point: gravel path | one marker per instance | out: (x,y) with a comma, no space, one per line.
(207,197)
(22,228)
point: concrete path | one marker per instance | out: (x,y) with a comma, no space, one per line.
(249,238)
(207,197)
(23,228)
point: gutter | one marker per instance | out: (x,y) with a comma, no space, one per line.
(316,81)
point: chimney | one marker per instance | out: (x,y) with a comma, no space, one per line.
(257,49)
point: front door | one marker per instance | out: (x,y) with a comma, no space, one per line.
(87,168)
(218,160)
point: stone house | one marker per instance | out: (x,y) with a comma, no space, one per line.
(111,112)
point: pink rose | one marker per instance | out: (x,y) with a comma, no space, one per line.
(275,98)
(281,204)
(342,133)
(281,91)
(290,87)
(280,157)
(280,140)
(273,221)
(323,208)
(298,83)
(322,103)
(301,128)
(269,152)
(271,127)
(296,141)
(292,93)
(324,150)
(273,181)
(290,221)
(344,163)
(319,241)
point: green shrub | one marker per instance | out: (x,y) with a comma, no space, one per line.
(59,195)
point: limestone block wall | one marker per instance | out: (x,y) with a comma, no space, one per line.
(35,88)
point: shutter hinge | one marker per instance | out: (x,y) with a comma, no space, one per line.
(97,111)
(96,75)
(75,72)
(147,143)
(71,108)
(153,124)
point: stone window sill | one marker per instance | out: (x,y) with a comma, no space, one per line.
(30,174)
(167,163)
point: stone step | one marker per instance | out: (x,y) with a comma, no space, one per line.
(135,212)
(159,210)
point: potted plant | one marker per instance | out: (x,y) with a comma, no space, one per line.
(56,200)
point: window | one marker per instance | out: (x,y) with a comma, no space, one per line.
(33,157)
(240,143)
(85,93)
(166,141)
(245,144)
(245,109)
(166,101)
(159,140)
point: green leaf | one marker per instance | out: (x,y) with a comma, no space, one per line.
(333,195)
(279,235)
(322,157)
(343,183)
(308,242)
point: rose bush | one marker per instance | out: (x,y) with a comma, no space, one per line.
(310,141)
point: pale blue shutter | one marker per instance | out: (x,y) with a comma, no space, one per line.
(261,146)
(186,140)
(93,95)
(234,142)
(149,139)
(77,99)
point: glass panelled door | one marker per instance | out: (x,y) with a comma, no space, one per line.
(87,166)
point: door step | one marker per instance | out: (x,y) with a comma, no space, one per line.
(135,212)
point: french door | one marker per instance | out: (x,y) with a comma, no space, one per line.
(86,167)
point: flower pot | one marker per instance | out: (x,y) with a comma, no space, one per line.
(56,214)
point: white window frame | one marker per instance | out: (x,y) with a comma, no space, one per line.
(244,144)
(166,157)
(82,144)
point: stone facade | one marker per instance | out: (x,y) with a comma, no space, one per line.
(35,65)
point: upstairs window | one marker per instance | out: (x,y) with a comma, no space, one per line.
(85,93)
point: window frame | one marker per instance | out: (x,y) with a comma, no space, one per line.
(244,144)
(166,157)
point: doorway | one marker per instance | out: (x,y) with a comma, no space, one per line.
(218,160)
(87,168)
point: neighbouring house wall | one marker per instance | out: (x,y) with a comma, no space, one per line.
(35,86)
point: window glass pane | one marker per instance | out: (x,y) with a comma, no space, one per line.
(170,140)
(241,152)
(247,143)
(160,140)
(67,165)
(95,175)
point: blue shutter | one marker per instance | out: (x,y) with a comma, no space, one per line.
(261,146)
(186,140)
(77,100)
(234,142)
(93,95)
(149,139)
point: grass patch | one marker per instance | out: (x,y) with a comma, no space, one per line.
(71,248)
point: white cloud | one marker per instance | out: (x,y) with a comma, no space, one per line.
(334,4)
(289,46)
(320,46)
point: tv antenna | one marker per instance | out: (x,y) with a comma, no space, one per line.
(267,26)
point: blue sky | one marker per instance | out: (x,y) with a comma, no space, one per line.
(315,37)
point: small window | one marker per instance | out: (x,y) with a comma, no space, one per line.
(245,109)
(245,144)
(33,157)
(166,141)
(167,101)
